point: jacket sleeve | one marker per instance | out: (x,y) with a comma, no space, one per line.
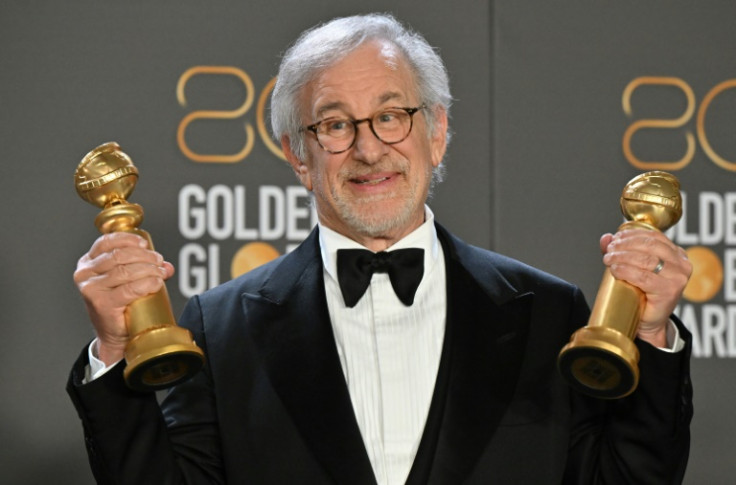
(128,439)
(641,438)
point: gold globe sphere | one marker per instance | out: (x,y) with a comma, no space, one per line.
(653,198)
(105,175)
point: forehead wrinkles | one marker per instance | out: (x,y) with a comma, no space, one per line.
(396,96)
(389,55)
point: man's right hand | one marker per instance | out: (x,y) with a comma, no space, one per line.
(117,270)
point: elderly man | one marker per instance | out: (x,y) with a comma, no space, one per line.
(316,378)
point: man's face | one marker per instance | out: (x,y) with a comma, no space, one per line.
(373,191)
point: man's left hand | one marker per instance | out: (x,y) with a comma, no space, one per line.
(657,266)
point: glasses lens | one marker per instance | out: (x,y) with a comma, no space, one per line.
(392,125)
(336,135)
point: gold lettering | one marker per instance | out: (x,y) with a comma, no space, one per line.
(659,123)
(212,114)
(700,125)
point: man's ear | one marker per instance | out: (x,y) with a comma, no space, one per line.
(300,168)
(439,137)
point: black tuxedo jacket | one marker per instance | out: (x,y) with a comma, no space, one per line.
(272,405)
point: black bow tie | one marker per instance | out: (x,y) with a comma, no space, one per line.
(355,267)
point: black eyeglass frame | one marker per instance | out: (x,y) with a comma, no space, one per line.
(410,111)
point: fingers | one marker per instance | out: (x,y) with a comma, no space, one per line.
(108,242)
(120,264)
(123,284)
(605,241)
(634,255)
(117,270)
(120,257)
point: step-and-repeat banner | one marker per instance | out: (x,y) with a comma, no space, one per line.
(557,107)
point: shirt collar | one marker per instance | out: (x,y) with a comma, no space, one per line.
(423,237)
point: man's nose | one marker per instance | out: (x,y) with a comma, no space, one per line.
(368,147)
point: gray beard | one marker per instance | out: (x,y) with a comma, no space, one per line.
(367,224)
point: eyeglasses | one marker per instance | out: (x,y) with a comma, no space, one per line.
(391,125)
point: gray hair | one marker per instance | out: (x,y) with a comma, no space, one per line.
(322,46)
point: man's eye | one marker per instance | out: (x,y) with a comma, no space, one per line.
(386,117)
(335,125)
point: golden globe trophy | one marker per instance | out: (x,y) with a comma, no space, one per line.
(159,353)
(601,359)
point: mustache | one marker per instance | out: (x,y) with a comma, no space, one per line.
(358,170)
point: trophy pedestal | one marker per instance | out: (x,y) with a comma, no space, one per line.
(600,361)
(161,357)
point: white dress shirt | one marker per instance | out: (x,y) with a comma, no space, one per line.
(390,353)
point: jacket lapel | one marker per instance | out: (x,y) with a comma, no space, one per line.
(290,325)
(485,340)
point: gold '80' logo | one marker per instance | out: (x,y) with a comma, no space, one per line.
(226,114)
(678,122)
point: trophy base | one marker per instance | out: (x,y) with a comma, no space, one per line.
(601,362)
(161,357)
